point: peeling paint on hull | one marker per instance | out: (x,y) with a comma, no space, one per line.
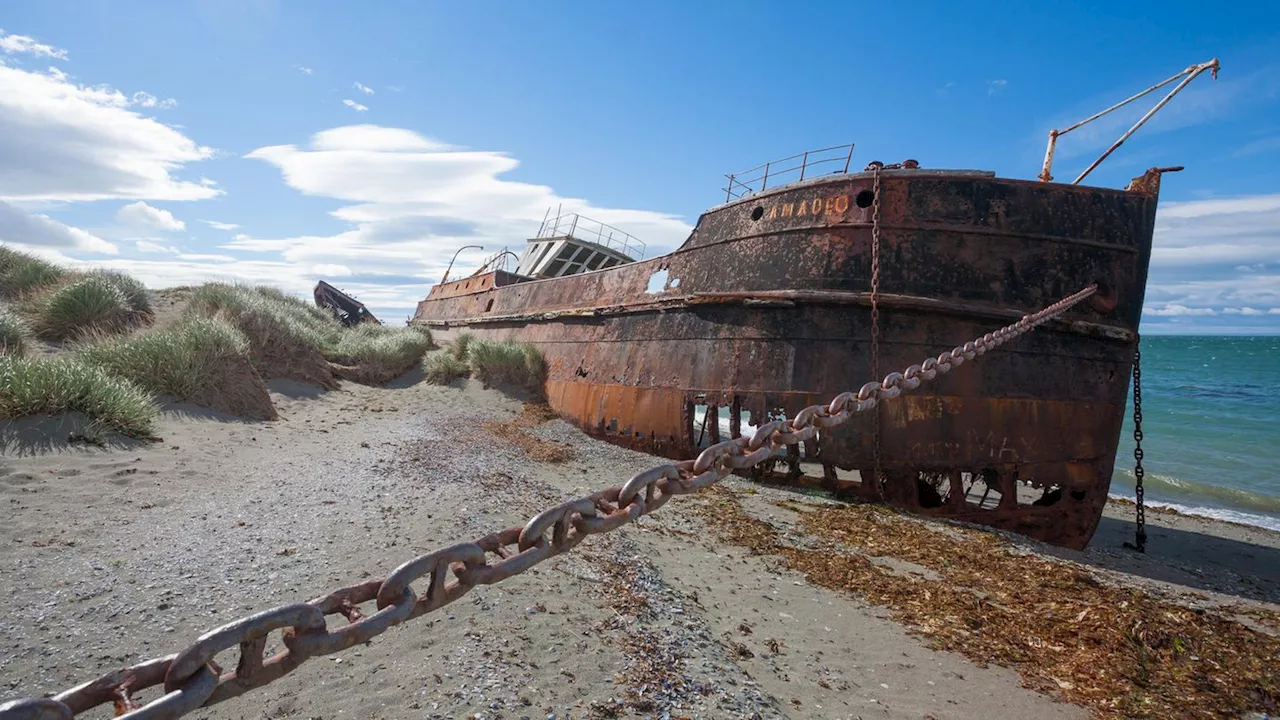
(765,309)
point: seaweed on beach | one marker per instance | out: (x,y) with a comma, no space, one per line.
(1118,650)
(513,431)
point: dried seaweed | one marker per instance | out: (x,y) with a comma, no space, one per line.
(1115,649)
(535,447)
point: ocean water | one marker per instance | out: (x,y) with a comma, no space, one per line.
(1211,428)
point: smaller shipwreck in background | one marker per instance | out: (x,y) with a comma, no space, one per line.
(348,310)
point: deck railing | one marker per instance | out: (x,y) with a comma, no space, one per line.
(584,228)
(757,178)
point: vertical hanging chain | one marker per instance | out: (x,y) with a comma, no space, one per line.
(875,309)
(1140,534)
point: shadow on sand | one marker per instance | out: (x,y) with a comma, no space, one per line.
(1184,557)
(63,433)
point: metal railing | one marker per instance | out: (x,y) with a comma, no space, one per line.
(744,183)
(584,228)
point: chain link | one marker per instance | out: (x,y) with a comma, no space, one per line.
(1140,532)
(191,678)
(875,315)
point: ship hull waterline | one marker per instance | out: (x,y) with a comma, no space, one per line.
(764,311)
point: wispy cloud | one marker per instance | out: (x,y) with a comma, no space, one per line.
(1257,147)
(304,69)
(220,225)
(355,105)
(363,88)
(142,215)
(63,141)
(17,226)
(147,100)
(153,248)
(996,86)
(24,45)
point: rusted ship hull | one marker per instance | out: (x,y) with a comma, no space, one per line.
(766,308)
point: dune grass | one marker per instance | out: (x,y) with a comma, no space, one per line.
(377,353)
(134,292)
(291,338)
(442,368)
(13,334)
(458,348)
(33,386)
(200,360)
(94,304)
(508,364)
(22,273)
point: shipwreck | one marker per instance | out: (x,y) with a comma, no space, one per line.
(811,278)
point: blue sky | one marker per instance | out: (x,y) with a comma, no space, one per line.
(279,142)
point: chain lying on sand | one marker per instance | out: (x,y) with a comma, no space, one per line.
(192,680)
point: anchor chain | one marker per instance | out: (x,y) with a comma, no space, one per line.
(192,678)
(875,311)
(1140,532)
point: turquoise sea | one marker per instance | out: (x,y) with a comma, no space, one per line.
(1211,428)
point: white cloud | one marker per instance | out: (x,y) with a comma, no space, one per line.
(19,227)
(147,100)
(1178,310)
(304,69)
(220,225)
(331,270)
(63,141)
(24,45)
(1243,311)
(413,201)
(142,215)
(146,246)
(206,257)
(995,86)
(355,105)
(364,88)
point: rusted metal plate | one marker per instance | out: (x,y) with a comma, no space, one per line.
(765,308)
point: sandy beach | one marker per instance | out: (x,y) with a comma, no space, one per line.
(119,554)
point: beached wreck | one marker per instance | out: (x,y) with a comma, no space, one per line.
(789,293)
(348,310)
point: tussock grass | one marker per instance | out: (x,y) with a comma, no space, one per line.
(292,339)
(508,364)
(92,304)
(200,360)
(458,348)
(134,292)
(286,340)
(30,386)
(13,334)
(442,368)
(22,273)
(376,353)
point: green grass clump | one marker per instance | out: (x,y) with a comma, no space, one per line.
(377,353)
(286,339)
(509,364)
(135,293)
(22,273)
(56,385)
(201,360)
(175,361)
(13,334)
(92,304)
(442,368)
(293,339)
(458,348)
